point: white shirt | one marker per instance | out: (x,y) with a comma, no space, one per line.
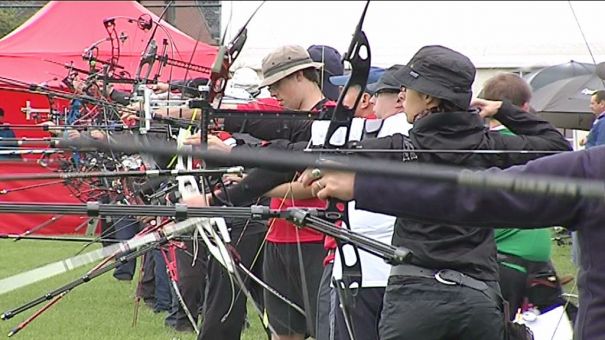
(375,271)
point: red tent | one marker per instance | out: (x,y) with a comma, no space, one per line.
(60,32)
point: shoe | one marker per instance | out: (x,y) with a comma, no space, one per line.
(123,277)
(180,327)
(149,303)
(159,309)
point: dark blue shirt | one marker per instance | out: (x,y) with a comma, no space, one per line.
(596,136)
(8,133)
(420,199)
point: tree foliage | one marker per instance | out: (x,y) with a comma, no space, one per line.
(14,13)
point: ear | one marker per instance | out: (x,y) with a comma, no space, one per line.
(430,101)
(525,107)
(299,75)
(364,102)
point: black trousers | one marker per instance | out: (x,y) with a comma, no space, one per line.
(324,321)
(513,285)
(281,270)
(423,308)
(222,320)
(365,315)
(191,284)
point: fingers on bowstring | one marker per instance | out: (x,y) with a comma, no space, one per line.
(307,178)
(324,194)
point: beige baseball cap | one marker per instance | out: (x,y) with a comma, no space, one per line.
(284,61)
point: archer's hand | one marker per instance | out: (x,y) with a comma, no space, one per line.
(329,184)
(214,143)
(160,87)
(488,108)
(199,201)
(98,135)
(129,118)
(146,219)
(233,178)
(79,84)
(73,134)
(195,139)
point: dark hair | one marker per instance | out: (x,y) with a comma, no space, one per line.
(599,95)
(447,106)
(312,75)
(444,106)
(1,112)
(507,86)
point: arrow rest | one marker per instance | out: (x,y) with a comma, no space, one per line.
(187,185)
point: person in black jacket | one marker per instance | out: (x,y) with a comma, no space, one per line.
(498,207)
(437,84)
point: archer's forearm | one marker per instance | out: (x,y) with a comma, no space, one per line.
(293,190)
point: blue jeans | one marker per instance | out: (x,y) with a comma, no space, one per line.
(125,227)
(163,294)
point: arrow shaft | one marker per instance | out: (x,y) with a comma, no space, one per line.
(107,174)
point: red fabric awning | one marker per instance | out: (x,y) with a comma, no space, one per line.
(41,191)
(59,33)
(62,30)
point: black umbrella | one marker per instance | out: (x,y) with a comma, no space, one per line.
(548,75)
(566,103)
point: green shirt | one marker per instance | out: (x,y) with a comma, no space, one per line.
(531,244)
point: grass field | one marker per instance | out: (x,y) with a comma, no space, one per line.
(104,307)
(100,309)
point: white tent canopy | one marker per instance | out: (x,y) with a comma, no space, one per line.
(510,34)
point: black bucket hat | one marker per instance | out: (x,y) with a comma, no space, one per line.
(387,81)
(440,72)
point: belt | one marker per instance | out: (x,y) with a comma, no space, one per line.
(513,259)
(448,277)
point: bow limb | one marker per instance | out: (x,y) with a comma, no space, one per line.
(219,74)
(110,27)
(359,56)
(225,59)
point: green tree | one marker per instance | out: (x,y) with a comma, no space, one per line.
(14,13)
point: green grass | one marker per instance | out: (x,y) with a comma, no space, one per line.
(561,257)
(100,309)
(104,307)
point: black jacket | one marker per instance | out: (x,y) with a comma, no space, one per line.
(268,129)
(294,130)
(500,208)
(469,250)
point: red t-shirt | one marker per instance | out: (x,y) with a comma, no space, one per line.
(264,104)
(329,244)
(282,231)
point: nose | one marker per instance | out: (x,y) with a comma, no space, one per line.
(401,96)
(272,91)
(373,100)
